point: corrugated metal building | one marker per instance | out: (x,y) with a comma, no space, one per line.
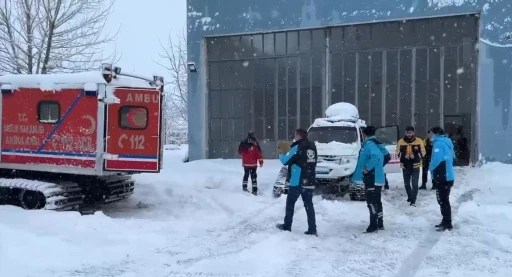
(274,65)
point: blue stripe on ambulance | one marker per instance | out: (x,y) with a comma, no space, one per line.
(61,120)
(71,154)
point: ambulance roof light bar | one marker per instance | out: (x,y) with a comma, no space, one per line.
(110,72)
(159,82)
(106,70)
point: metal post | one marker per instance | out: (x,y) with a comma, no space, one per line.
(327,85)
(441,89)
(384,85)
(413,88)
(357,81)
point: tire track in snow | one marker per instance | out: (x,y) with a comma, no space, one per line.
(237,232)
(412,263)
(238,239)
(208,274)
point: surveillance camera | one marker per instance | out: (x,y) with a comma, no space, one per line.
(192,67)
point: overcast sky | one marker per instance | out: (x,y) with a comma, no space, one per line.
(142,25)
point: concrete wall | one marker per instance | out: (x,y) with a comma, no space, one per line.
(222,17)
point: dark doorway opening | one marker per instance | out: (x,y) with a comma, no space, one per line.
(458,129)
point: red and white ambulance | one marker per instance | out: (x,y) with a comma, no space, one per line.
(73,139)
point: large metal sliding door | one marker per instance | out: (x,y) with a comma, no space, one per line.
(268,83)
(417,72)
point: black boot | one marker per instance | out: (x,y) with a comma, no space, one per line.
(381,225)
(423,186)
(374,219)
(254,190)
(380,217)
(283,227)
(244,187)
(444,226)
(434,187)
(380,222)
(311,233)
(372,229)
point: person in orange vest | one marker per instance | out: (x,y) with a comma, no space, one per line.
(411,151)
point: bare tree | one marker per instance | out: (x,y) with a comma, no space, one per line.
(174,56)
(42,36)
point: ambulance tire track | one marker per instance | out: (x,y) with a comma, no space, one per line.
(414,260)
(237,241)
(209,274)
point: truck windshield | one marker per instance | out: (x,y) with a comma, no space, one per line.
(330,134)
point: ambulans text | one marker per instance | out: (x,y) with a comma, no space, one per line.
(142,98)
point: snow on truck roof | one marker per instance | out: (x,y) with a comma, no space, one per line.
(340,114)
(68,80)
(334,122)
(343,110)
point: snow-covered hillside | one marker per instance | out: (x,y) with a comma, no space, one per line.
(194,220)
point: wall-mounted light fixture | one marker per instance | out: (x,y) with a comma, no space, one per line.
(192,67)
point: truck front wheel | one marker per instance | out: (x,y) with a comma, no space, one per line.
(353,196)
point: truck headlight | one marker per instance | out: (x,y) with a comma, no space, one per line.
(348,159)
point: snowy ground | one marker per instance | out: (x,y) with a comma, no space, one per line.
(193,220)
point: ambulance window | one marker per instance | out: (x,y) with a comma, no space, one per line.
(132,117)
(48,112)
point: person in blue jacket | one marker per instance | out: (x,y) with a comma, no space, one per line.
(443,174)
(301,159)
(370,172)
(386,156)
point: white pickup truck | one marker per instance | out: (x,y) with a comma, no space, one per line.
(338,139)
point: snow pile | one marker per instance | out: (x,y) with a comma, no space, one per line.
(183,190)
(334,121)
(481,241)
(193,220)
(337,148)
(340,114)
(56,82)
(91,87)
(445,3)
(342,111)
(488,42)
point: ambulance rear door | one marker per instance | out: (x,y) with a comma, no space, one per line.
(133,131)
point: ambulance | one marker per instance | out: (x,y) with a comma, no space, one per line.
(70,140)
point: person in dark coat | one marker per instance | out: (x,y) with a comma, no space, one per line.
(426,162)
(443,174)
(302,158)
(250,151)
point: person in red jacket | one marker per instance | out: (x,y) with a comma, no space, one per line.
(250,151)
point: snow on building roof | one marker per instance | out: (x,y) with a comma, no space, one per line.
(68,80)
